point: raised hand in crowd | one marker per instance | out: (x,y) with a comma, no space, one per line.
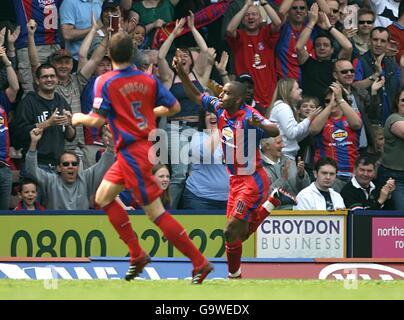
(387,190)
(191,20)
(158,23)
(13,36)
(313,14)
(300,167)
(107,136)
(314,113)
(337,90)
(179,26)
(2,35)
(36,135)
(323,21)
(349,33)
(222,65)
(376,85)
(378,64)
(31,27)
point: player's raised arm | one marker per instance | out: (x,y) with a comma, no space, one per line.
(191,91)
(260,122)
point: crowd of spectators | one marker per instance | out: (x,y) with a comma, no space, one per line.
(330,73)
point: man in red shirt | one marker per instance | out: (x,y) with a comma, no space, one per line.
(127,98)
(254,49)
(396,30)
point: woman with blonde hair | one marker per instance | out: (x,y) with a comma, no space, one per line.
(282,112)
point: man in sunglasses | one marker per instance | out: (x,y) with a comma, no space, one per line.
(72,188)
(361,40)
(360,100)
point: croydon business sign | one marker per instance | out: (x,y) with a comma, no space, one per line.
(291,236)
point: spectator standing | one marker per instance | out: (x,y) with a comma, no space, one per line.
(287,95)
(361,192)
(287,65)
(396,30)
(47,37)
(319,195)
(47,110)
(361,40)
(254,49)
(71,84)
(76,20)
(154,14)
(7,98)
(207,187)
(392,164)
(317,73)
(306,146)
(368,105)
(374,64)
(181,126)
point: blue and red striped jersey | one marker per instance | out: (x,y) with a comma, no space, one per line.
(45,13)
(339,142)
(127,98)
(287,65)
(240,140)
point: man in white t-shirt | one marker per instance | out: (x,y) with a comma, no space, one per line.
(319,195)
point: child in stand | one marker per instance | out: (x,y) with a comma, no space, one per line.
(28,194)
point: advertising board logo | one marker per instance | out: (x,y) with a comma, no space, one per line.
(365,271)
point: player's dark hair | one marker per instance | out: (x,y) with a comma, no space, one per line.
(121,47)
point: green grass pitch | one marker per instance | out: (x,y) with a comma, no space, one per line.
(210,290)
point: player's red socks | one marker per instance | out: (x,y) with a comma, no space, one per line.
(176,234)
(119,218)
(233,252)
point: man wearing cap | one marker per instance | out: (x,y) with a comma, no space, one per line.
(247,79)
